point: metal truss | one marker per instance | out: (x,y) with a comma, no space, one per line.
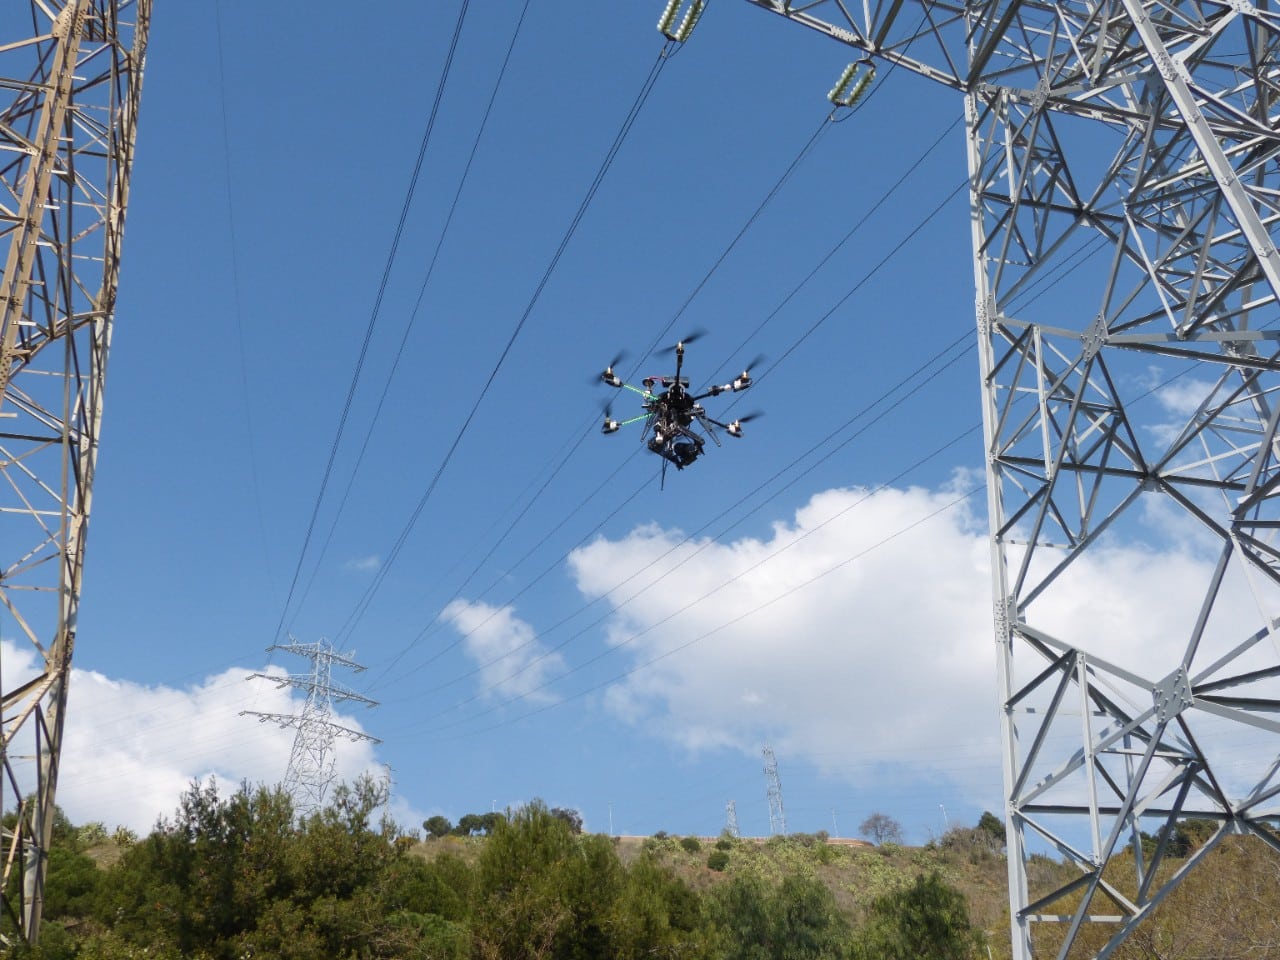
(70,78)
(773,787)
(312,761)
(1127,148)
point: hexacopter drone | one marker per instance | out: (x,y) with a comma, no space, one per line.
(672,412)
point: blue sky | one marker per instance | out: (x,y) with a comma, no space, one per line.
(274,155)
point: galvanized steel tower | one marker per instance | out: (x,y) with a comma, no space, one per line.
(312,761)
(773,786)
(1130,147)
(70,80)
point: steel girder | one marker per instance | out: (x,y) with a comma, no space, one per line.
(1127,148)
(70,78)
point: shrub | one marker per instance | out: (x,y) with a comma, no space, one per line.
(718,860)
(691,844)
(927,920)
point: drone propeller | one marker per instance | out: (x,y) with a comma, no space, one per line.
(610,425)
(608,376)
(682,342)
(735,429)
(758,359)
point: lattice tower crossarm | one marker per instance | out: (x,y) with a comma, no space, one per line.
(312,761)
(71,78)
(1130,146)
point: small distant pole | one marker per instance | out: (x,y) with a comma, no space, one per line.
(611,818)
(946,824)
(835,831)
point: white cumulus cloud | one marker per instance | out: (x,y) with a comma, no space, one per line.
(858,634)
(509,659)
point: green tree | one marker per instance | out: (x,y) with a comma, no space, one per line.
(521,912)
(992,828)
(472,823)
(658,915)
(927,921)
(200,880)
(798,920)
(881,828)
(572,817)
(71,885)
(437,826)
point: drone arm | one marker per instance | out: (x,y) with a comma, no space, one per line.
(737,386)
(613,426)
(734,429)
(706,423)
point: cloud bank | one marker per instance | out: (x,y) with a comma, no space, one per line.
(858,635)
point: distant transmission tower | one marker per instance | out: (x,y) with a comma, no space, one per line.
(312,762)
(731,819)
(777,819)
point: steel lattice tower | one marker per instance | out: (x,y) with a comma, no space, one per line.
(70,80)
(1145,134)
(312,761)
(773,783)
(731,819)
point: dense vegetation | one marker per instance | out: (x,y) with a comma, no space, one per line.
(240,877)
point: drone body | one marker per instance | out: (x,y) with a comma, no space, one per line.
(675,423)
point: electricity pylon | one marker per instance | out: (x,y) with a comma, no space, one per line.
(1129,147)
(773,786)
(70,81)
(731,819)
(312,761)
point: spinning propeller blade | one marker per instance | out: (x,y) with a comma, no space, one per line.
(756,361)
(608,376)
(735,429)
(610,425)
(693,336)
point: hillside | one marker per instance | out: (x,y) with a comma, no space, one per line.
(1228,908)
(239,877)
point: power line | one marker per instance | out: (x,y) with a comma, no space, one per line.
(672,569)
(858,225)
(373,315)
(237,308)
(363,604)
(843,299)
(915,375)
(921,382)
(422,290)
(561,458)
(803,152)
(723,626)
